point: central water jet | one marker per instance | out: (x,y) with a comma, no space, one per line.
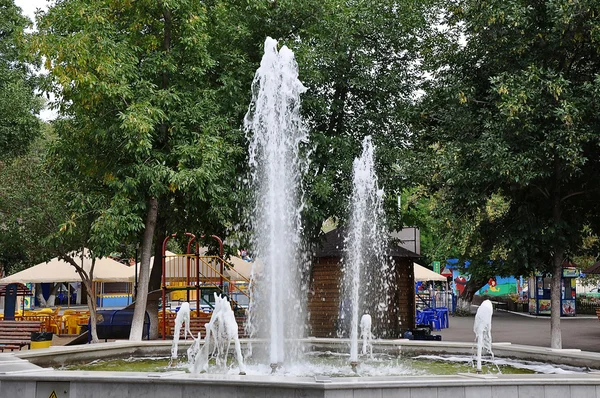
(275,130)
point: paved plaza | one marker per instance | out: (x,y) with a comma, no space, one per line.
(582,332)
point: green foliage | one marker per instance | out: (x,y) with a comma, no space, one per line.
(150,107)
(358,61)
(33,205)
(18,102)
(506,129)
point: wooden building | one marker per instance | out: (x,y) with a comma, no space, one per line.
(326,279)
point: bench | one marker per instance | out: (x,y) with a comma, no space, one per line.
(14,335)
(499,305)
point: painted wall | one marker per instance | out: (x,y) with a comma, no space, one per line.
(496,286)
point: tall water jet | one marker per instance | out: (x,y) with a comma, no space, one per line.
(366,268)
(275,130)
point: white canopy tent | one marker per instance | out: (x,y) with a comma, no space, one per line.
(424,274)
(241,268)
(55,270)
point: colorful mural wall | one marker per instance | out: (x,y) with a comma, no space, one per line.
(496,286)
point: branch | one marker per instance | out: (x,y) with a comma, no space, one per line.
(544,192)
(572,194)
(82,273)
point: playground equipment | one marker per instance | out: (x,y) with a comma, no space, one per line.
(201,275)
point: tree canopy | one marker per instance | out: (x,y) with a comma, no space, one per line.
(483,114)
(18,102)
(509,118)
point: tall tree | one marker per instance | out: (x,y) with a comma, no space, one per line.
(358,61)
(511,111)
(150,106)
(18,102)
(28,201)
(44,215)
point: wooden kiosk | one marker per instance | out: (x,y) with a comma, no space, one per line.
(326,279)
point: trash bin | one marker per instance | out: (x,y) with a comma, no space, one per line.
(41,340)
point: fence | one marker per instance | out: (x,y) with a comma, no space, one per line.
(587,305)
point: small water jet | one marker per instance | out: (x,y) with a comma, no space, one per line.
(221,329)
(367,335)
(183,317)
(483,330)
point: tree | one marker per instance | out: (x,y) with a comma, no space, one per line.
(152,97)
(18,102)
(43,216)
(150,106)
(358,61)
(510,112)
(18,124)
(27,203)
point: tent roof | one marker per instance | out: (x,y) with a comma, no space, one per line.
(241,268)
(425,274)
(55,270)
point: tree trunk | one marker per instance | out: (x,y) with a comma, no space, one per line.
(91,302)
(40,295)
(52,297)
(156,278)
(87,281)
(555,293)
(557,262)
(465,300)
(137,324)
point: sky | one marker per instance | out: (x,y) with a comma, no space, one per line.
(29,7)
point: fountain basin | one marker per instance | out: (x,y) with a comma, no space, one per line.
(21,375)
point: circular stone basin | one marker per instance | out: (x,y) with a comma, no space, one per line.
(39,373)
(337,365)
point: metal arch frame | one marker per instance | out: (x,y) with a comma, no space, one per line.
(164,274)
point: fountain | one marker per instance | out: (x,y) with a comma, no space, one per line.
(483,330)
(275,131)
(367,335)
(366,270)
(183,317)
(220,330)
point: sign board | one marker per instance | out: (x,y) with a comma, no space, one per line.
(436,267)
(52,389)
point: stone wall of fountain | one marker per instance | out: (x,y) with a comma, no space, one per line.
(19,377)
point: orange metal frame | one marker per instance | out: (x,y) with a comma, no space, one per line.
(218,274)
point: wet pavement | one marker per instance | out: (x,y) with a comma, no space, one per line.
(582,332)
